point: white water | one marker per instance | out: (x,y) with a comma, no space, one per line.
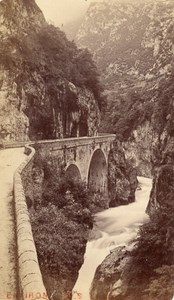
(117,226)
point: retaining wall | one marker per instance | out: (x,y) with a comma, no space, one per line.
(30,278)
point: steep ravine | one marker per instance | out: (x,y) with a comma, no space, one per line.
(132,44)
(146,272)
(115,227)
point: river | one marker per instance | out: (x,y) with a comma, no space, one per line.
(116,226)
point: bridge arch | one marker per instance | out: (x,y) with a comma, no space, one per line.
(97,174)
(73,172)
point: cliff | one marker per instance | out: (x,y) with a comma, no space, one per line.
(48,88)
(132,44)
(128,39)
(122,177)
(146,272)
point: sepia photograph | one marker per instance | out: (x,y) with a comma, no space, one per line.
(87,149)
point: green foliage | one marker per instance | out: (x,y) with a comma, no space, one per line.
(60,224)
(63,190)
(84,73)
(50,226)
(163,109)
(125,112)
(162,286)
(60,246)
(76,65)
(125,115)
(54,57)
(155,245)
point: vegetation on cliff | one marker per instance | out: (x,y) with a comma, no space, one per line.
(60,237)
(136,109)
(127,114)
(51,83)
(132,43)
(150,274)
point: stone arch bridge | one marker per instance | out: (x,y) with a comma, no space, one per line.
(83,158)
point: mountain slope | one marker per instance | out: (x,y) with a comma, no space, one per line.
(131,42)
(133,45)
(48,88)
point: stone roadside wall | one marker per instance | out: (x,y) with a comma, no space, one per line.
(6,145)
(30,278)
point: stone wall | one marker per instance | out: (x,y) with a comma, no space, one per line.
(30,278)
(78,151)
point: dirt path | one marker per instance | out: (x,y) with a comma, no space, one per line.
(10,159)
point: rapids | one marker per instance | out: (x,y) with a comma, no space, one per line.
(116,227)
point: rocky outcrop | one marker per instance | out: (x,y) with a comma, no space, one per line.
(39,95)
(122,177)
(162,188)
(138,149)
(108,279)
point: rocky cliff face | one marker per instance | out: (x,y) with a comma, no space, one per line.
(39,94)
(122,177)
(132,43)
(145,271)
(141,273)
(107,282)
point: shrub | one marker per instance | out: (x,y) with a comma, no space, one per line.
(161,286)
(50,227)
(60,224)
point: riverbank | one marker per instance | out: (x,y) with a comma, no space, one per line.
(114,227)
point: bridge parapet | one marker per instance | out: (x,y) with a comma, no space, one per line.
(62,142)
(77,141)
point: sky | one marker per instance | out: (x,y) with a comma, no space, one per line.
(62,11)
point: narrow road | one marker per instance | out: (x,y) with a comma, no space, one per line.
(10,159)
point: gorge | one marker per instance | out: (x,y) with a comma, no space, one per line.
(114,228)
(53,97)
(132,44)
